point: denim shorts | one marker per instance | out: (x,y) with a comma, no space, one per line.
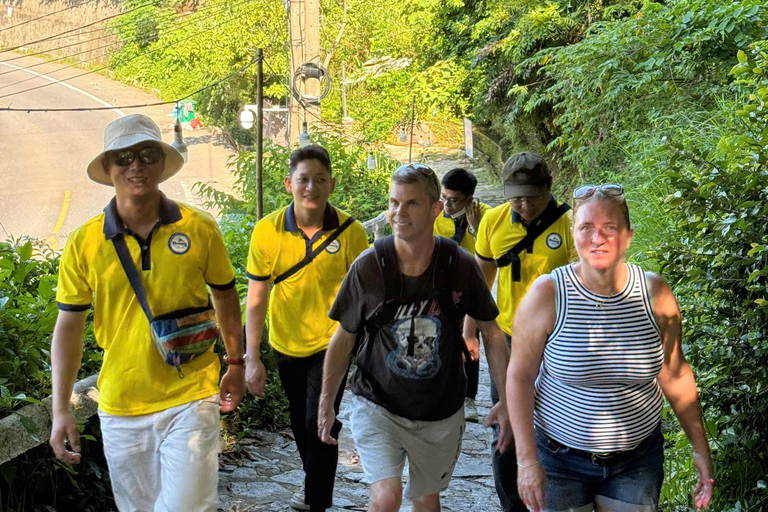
(576,484)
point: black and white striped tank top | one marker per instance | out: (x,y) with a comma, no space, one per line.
(597,389)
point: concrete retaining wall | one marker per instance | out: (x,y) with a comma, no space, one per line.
(89,45)
(14,437)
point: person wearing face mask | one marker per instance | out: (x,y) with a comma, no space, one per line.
(526,237)
(297,260)
(459,221)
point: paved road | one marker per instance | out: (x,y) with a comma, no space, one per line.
(44,190)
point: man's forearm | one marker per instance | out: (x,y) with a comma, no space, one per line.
(336,364)
(227,305)
(66,357)
(497,354)
(255,316)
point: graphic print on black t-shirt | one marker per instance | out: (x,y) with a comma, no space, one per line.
(412,363)
(417,355)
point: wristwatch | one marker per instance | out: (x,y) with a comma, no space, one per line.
(235,362)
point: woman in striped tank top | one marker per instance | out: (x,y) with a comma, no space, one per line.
(595,345)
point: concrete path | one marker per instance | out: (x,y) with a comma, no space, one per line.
(262,474)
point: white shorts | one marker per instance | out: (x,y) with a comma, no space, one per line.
(167,461)
(384,441)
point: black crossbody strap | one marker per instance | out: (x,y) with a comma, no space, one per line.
(133,274)
(512,256)
(460,231)
(310,256)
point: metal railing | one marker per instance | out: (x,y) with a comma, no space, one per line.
(376,225)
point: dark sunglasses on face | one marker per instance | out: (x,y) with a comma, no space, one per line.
(607,189)
(149,155)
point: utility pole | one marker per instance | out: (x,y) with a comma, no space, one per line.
(259,134)
(344,117)
(304,30)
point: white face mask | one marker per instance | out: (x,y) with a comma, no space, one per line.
(459,213)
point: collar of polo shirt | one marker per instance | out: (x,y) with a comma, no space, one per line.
(330,219)
(113,225)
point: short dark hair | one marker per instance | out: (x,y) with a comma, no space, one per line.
(313,152)
(461,180)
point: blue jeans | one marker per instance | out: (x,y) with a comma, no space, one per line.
(575,483)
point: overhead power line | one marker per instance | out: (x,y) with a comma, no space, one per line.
(181,26)
(124,107)
(163,48)
(46,15)
(30,43)
(167,16)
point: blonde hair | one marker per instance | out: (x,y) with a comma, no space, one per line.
(619,201)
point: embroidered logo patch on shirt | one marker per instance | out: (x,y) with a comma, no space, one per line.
(179,243)
(333,247)
(554,241)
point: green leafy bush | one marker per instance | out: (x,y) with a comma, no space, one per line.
(717,265)
(28,310)
(35,481)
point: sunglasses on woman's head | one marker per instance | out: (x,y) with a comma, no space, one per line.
(149,155)
(607,189)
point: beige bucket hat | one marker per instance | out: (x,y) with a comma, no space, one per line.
(129,131)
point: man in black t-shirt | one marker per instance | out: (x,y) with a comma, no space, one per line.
(409,384)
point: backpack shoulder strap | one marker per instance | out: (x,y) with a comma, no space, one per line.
(386,258)
(512,256)
(310,256)
(446,267)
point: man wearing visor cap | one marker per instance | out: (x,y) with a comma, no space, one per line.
(520,240)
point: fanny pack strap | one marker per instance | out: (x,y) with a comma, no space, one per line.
(133,275)
(310,256)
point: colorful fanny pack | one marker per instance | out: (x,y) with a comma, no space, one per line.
(181,335)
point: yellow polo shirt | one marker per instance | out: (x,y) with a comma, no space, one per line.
(184,253)
(298,306)
(499,231)
(446,226)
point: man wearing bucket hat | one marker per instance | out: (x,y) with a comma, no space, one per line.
(520,240)
(145,265)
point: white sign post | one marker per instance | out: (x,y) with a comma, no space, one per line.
(469,146)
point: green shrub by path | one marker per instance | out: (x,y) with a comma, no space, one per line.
(35,481)
(28,310)
(359,191)
(717,265)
